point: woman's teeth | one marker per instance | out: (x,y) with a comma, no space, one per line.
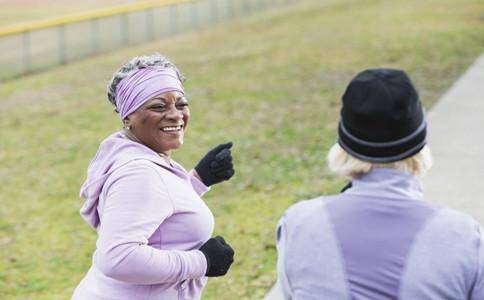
(172,128)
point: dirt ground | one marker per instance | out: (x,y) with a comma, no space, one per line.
(21,11)
(63,2)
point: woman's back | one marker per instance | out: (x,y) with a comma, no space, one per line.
(378,240)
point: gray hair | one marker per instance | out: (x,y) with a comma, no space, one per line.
(138,62)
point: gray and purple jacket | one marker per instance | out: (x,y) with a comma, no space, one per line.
(379,240)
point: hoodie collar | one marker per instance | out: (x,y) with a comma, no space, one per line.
(390,183)
(113,153)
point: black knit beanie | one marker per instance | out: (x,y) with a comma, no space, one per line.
(382,120)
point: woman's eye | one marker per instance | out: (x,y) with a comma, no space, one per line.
(182,105)
(158,107)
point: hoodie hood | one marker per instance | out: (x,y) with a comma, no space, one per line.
(114,152)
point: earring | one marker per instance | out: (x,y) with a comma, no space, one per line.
(127,127)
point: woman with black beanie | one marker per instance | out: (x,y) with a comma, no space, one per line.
(378,239)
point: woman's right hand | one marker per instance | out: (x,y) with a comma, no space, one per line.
(219,256)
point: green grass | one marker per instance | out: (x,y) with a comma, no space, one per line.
(270,83)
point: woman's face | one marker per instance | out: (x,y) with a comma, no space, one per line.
(161,122)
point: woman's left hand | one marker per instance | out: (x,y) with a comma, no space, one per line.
(216,166)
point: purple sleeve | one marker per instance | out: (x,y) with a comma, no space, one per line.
(136,203)
(197,185)
(478,290)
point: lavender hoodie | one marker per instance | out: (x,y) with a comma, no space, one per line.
(378,240)
(150,222)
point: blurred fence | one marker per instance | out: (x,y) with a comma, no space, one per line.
(39,45)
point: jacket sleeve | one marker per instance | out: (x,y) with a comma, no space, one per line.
(281,242)
(136,202)
(478,290)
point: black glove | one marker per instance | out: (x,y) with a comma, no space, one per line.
(216,166)
(219,256)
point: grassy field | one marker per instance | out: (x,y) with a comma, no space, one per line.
(270,83)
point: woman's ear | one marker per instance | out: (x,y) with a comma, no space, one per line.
(127,123)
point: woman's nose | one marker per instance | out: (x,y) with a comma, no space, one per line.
(175,114)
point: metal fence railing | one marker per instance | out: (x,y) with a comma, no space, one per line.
(35,46)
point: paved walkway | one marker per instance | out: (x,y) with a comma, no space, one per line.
(456,138)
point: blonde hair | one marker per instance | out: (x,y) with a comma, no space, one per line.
(342,163)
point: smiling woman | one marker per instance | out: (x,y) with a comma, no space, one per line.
(161,122)
(153,227)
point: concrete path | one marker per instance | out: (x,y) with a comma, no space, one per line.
(456,138)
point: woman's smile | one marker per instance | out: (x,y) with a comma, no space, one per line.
(161,122)
(172,129)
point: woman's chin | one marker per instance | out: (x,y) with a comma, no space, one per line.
(167,147)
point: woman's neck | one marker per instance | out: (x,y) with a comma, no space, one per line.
(129,135)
